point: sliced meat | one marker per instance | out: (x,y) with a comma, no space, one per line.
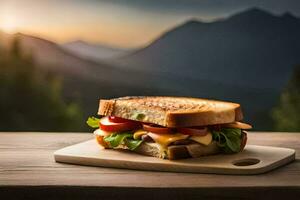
(182,142)
(147,138)
(178,152)
(198,150)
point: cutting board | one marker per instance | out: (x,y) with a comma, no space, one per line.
(253,160)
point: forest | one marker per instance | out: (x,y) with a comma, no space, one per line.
(30,98)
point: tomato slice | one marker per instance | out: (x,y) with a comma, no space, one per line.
(244,141)
(216,127)
(107,125)
(157,129)
(194,131)
(118,119)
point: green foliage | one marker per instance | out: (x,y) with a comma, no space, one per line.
(132,144)
(93,122)
(286,115)
(228,139)
(30,99)
(126,138)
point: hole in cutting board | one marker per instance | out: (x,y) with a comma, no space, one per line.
(246,162)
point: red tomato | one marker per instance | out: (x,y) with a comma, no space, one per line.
(244,141)
(118,119)
(194,131)
(109,126)
(216,127)
(157,129)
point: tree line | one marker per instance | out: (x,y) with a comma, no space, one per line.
(286,115)
(30,98)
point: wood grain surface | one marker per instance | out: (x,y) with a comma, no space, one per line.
(28,170)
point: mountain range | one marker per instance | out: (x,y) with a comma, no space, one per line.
(85,80)
(97,52)
(246,58)
(250,49)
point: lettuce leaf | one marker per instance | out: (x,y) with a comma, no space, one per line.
(116,139)
(93,122)
(228,139)
(125,138)
(132,144)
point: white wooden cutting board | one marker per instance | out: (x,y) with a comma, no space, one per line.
(253,160)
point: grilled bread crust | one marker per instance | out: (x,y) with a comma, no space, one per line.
(172,111)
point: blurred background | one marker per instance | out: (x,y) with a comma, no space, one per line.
(59,57)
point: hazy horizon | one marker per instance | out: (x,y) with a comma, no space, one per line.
(126,24)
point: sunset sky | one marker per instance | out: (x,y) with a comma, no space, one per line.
(122,23)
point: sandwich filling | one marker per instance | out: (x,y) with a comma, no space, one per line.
(114,132)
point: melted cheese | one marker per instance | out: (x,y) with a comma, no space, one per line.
(206,140)
(166,139)
(138,134)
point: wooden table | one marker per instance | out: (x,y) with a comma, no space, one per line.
(28,170)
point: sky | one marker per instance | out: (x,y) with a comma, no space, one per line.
(119,23)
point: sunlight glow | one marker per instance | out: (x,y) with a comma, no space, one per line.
(8,23)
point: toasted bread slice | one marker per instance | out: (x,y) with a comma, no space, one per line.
(172,111)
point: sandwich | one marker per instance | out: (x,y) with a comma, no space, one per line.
(170,127)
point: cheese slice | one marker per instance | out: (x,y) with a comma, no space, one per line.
(166,139)
(138,134)
(206,140)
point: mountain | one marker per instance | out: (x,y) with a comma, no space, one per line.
(97,52)
(247,58)
(250,49)
(52,57)
(83,79)
(48,55)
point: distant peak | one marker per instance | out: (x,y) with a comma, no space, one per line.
(288,15)
(192,22)
(78,42)
(254,12)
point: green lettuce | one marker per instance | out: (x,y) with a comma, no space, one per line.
(116,139)
(132,144)
(228,139)
(93,122)
(125,138)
